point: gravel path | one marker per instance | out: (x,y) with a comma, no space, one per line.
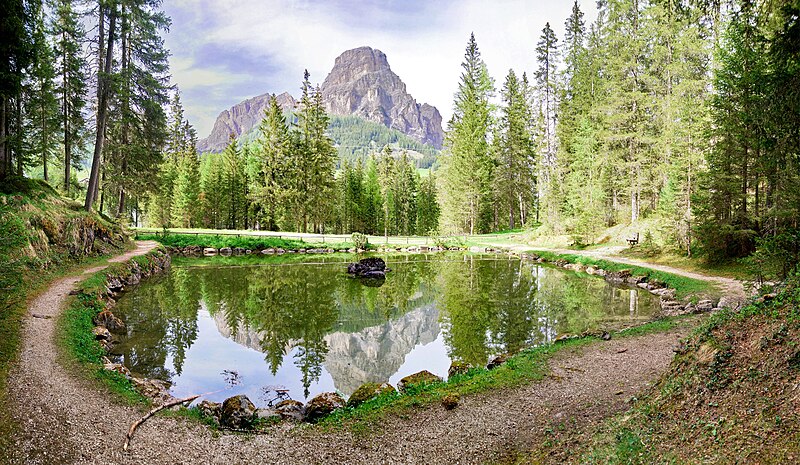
(65,419)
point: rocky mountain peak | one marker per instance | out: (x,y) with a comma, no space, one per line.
(362,83)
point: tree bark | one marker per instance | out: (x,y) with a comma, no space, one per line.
(3,139)
(102,110)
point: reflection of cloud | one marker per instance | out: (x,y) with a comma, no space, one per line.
(243,48)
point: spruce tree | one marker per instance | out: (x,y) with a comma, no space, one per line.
(515,175)
(41,106)
(187,182)
(467,167)
(273,154)
(427,207)
(547,108)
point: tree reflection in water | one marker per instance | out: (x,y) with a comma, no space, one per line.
(486,305)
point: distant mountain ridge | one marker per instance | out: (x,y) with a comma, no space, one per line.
(362,84)
(240,119)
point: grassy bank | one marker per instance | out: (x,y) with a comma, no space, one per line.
(75,325)
(244,242)
(684,286)
(527,366)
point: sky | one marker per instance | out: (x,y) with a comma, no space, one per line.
(224,51)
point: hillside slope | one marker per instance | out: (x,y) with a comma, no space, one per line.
(731,395)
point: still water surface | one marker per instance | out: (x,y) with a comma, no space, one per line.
(300,323)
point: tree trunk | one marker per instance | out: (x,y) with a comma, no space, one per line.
(44,144)
(102,110)
(4,162)
(18,135)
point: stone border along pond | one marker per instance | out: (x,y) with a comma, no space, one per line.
(238,412)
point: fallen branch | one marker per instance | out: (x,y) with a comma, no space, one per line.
(150,414)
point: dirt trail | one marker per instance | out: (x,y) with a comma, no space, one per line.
(66,419)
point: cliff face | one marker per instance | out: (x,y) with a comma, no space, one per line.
(239,119)
(361,83)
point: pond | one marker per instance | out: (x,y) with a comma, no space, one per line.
(254,325)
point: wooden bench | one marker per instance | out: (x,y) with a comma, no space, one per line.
(633,240)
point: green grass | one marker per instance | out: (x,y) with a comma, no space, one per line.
(75,330)
(530,365)
(244,242)
(684,286)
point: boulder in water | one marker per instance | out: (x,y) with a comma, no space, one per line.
(109,321)
(290,409)
(372,267)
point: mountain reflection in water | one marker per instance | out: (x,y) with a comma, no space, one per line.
(309,328)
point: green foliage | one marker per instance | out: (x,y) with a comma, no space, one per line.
(356,139)
(359,240)
(776,257)
(245,242)
(648,247)
(467,166)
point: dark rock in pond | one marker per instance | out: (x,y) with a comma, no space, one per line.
(450,401)
(421,377)
(109,321)
(210,409)
(458,368)
(368,391)
(237,412)
(101,333)
(497,361)
(323,405)
(238,251)
(371,267)
(225,251)
(291,410)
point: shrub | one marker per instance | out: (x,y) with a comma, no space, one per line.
(359,240)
